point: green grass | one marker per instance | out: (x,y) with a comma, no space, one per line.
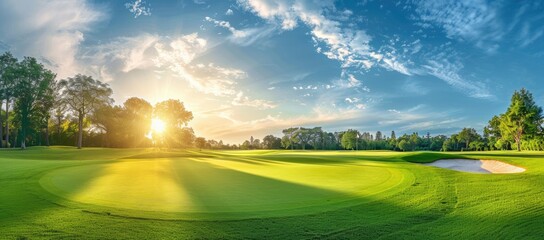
(94,193)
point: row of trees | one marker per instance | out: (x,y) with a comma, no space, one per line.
(38,110)
(519,128)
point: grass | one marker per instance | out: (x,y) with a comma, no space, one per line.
(95,193)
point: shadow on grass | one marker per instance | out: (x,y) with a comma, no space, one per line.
(427,157)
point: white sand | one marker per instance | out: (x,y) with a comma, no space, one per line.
(476,166)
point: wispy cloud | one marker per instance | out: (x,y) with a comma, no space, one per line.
(475,21)
(241,100)
(138,8)
(349,46)
(449,72)
(243,37)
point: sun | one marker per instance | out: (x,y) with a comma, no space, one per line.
(157,125)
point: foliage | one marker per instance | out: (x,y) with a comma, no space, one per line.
(84,95)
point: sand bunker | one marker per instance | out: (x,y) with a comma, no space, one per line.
(476,166)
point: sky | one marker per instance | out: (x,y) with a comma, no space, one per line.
(254,67)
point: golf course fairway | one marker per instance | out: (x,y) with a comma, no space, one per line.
(96,193)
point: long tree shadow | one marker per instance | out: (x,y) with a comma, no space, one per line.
(219,190)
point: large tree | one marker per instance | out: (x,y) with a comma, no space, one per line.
(523,118)
(175,116)
(8,65)
(33,87)
(83,95)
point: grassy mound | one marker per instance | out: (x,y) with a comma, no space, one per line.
(192,186)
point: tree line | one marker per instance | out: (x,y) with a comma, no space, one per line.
(519,128)
(37,109)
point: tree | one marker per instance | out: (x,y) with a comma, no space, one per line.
(187,137)
(329,141)
(522,118)
(290,136)
(492,132)
(271,142)
(286,142)
(437,142)
(8,67)
(173,113)
(200,142)
(379,136)
(405,145)
(415,141)
(304,135)
(349,139)
(467,135)
(32,86)
(137,116)
(44,106)
(111,122)
(175,117)
(316,136)
(83,95)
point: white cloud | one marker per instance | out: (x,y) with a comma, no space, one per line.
(179,53)
(350,82)
(163,55)
(229,12)
(352,100)
(241,100)
(52,30)
(213,71)
(138,8)
(243,37)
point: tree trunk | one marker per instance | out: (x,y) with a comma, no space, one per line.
(80,131)
(46,136)
(24,127)
(7,121)
(58,130)
(15,141)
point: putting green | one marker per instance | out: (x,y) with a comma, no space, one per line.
(212,188)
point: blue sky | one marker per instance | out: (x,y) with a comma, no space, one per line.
(253,67)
